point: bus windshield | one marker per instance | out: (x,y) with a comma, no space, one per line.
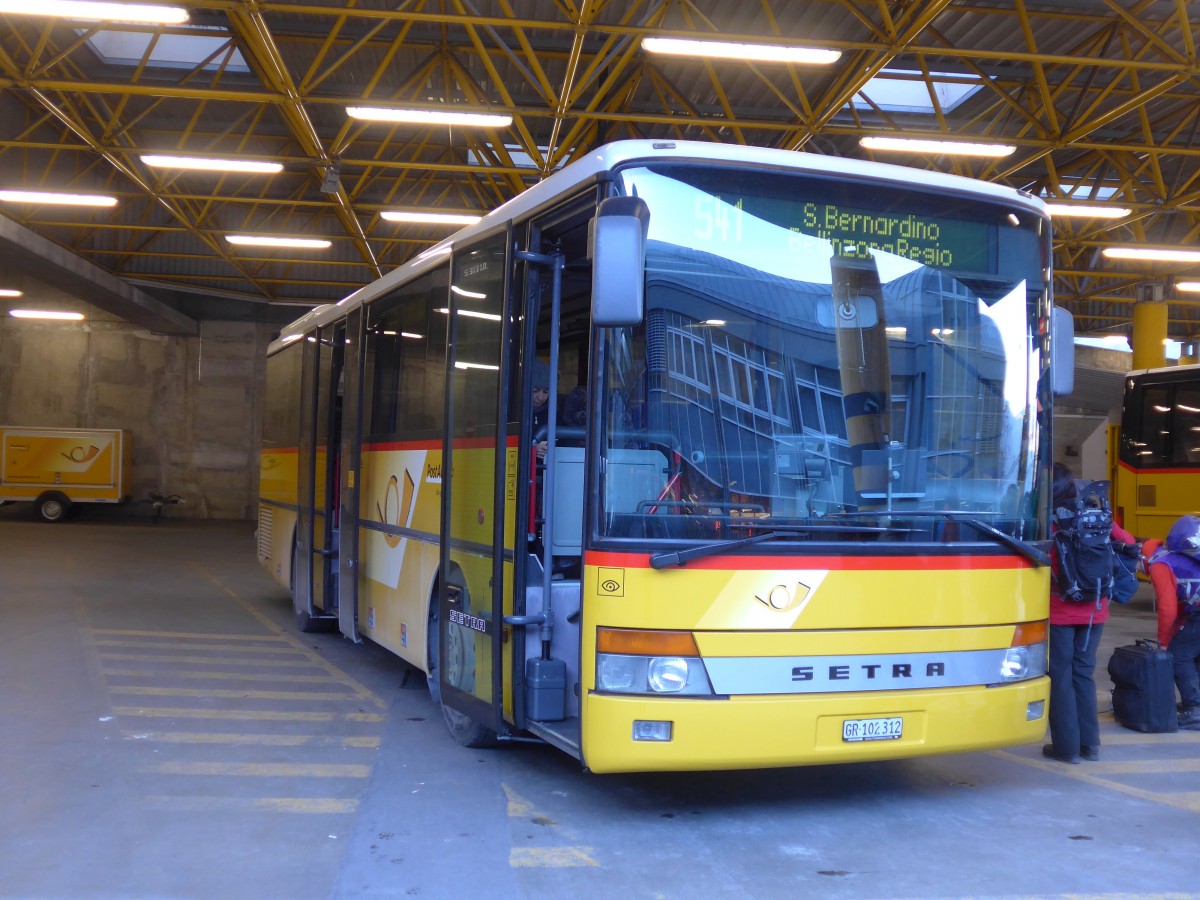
(819,348)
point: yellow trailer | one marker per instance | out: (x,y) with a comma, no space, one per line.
(55,468)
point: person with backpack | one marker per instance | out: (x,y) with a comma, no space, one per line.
(1174,569)
(1081,584)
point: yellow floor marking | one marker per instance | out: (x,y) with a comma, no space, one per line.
(216,675)
(307,805)
(263,715)
(280,647)
(550,857)
(244,715)
(364,693)
(188,635)
(144,691)
(1145,767)
(267,770)
(261,740)
(1187,802)
(1135,738)
(517,805)
(226,660)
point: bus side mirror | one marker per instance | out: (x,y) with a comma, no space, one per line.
(1062,352)
(618,252)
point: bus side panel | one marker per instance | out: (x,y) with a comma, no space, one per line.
(1151,500)
(841,612)
(276,538)
(401,490)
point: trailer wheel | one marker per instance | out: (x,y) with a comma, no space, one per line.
(53,507)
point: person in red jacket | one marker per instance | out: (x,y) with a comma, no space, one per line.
(1075,630)
(1174,568)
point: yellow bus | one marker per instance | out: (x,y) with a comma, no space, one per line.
(1156,475)
(789,501)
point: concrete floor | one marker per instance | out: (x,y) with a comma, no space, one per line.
(164,732)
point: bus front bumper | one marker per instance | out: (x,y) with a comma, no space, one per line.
(765,731)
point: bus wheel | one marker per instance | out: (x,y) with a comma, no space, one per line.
(465,730)
(53,507)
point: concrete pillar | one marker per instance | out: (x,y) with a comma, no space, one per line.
(1149,328)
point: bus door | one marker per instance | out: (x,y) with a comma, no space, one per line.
(557,288)
(476,570)
(315,596)
(345,566)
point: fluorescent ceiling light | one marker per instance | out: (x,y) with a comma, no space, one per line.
(212,165)
(920,145)
(746,52)
(9,292)
(45,314)
(431,218)
(1152,254)
(1187,285)
(463,292)
(1082,210)
(471,314)
(60,199)
(429,117)
(108,12)
(254,240)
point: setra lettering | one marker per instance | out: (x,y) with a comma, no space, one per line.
(868,671)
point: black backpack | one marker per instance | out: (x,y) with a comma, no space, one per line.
(1084,545)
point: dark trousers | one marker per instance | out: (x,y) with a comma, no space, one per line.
(1185,649)
(1073,717)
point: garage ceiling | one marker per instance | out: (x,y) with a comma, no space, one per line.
(1100,97)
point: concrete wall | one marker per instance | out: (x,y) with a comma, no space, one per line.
(192,404)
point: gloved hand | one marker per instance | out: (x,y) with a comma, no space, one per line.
(1133,551)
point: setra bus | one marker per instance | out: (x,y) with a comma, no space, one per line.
(1156,474)
(789,501)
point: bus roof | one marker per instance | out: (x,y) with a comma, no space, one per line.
(1179,368)
(608,157)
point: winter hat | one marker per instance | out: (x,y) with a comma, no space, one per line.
(1184,536)
(1064,485)
(541,374)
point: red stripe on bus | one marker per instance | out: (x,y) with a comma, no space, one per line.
(833,563)
(1156,471)
(460,444)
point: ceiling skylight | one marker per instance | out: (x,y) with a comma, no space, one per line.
(903,90)
(171,51)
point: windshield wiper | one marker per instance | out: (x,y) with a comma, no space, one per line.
(1026,549)
(682,557)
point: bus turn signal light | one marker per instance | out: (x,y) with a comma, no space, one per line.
(1029,633)
(635,642)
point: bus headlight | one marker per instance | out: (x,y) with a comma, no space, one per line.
(620,674)
(1024,662)
(617,673)
(633,661)
(667,674)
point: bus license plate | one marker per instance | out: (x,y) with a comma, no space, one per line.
(889,729)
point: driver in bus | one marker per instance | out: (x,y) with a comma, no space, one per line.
(541,401)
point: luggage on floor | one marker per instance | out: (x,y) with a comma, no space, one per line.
(1143,687)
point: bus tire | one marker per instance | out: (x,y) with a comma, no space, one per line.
(465,730)
(52,506)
